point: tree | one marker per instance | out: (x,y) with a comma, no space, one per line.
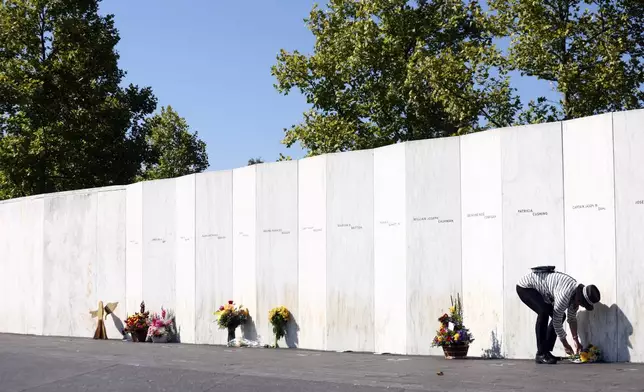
(174,151)
(65,123)
(389,71)
(255,161)
(590,51)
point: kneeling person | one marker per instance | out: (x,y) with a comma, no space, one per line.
(555,294)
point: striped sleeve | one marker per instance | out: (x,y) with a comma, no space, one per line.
(563,295)
(557,318)
(572,314)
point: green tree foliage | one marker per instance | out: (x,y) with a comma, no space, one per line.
(590,51)
(255,161)
(65,120)
(385,71)
(174,151)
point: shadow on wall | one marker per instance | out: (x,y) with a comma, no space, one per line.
(494,352)
(118,323)
(607,328)
(249,330)
(292,333)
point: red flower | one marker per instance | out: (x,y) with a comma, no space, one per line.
(230,302)
(221,308)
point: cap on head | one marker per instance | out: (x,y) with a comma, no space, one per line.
(589,296)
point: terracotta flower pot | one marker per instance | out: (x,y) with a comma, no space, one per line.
(456,351)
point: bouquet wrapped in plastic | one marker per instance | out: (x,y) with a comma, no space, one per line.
(588,355)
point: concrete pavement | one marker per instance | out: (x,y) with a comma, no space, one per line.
(39,364)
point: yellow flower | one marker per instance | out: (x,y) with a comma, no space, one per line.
(456,337)
(452,309)
(440,338)
(583,357)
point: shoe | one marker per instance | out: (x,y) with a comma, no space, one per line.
(549,355)
(545,359)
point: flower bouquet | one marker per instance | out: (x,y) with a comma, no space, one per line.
(163,327)
(279,318)
(138,324)
(452,336)
(230,317)
(588,355)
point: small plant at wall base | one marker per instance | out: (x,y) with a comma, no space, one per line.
(138,324)
(230,317)
(452,336)
(163,327)
(279,318)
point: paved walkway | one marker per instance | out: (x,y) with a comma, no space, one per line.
(66,365)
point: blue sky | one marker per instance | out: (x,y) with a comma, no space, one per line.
(210,60)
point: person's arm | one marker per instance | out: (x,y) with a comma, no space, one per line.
(560,308)
(572,321)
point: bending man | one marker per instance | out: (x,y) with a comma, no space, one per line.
(555,294)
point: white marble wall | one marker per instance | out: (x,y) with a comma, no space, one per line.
(185,257)
(312,209)
(111,257)
(590,223)
(21,263)
(628,136)
(245,242)
(350,260)
(159,242)
(533,223)
(482,240)
(133,248)
(214,258)
(433,220)
(70,264)
(390,267)
(277,250)
(365,248)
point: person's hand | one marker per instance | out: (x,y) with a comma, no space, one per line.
(567,347)
(578,346)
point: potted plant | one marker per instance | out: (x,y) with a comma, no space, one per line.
(230,317)
(452,336)
(163,327)
(138,324)
(279,318)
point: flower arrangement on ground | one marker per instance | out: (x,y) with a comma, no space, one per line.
(279,318)
(230,317)
(452,336)
(138,324)
(588,355)
(163,327)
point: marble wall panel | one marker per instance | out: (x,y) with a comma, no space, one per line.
(350,258)
(482,243)
(390,272)
(590,223)
(277,250)
(312,252)
(433,220)
(214,260)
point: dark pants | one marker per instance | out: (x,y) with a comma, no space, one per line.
(546,336)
